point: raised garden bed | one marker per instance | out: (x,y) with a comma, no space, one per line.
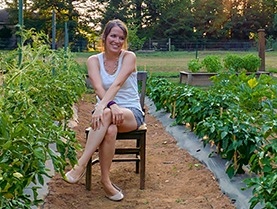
(203,79)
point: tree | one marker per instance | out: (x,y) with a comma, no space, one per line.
(38,15)
(247,16)
(177,19)
(65,12)
(210,19)
(275,22)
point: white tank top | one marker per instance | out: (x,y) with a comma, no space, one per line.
(128,95)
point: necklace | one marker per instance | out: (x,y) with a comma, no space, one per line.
(111,69)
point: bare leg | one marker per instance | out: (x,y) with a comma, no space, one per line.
(106,154)
(107,148)
(95,138)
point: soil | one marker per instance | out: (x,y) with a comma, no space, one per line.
(174,179)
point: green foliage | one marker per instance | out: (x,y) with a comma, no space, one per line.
(237,116)
(233,62)
(233,133)
(264,190)
(188,108)
(35,106)
(269,42)
(275,22)
(38,14)
(237,63)
(264,162)
(155,18)
(274,45)
(212,63)
(194,65)
(251,62)
(160,95)
(135,43)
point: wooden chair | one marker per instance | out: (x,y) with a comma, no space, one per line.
(137,152)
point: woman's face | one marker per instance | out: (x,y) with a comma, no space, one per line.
(115,40)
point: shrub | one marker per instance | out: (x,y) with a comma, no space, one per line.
(251,62)
(212,63)
(233,62)
(194,65)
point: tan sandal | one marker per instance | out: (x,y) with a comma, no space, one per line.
(118,196)
(69,179)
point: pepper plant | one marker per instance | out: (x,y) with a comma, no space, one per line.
(238,116)
(265,184)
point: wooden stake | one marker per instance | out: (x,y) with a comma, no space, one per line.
(174,109)
(235,155)
(221,111)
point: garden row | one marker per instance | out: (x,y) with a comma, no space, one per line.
(238,117)
(231,62)
(37,95)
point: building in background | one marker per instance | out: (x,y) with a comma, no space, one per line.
(7,32)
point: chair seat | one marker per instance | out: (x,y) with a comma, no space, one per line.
(142,127)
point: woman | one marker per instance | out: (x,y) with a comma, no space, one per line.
(114,79)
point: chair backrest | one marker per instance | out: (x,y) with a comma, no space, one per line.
(142,76)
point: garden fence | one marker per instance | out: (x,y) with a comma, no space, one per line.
(160,45)
(179,45)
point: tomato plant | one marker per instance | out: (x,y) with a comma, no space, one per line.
(36,103)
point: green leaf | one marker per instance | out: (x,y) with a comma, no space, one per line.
(230,171)
(40,179)
(223,134)
(7,145)
(39,153)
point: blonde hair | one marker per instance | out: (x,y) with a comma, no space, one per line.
(107,29)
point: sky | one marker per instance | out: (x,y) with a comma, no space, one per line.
(2,4)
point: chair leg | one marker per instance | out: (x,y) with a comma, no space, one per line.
(88,169)
(88,176)
(138,162)
(142,162)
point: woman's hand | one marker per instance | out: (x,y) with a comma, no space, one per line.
(97,118)
(117,115)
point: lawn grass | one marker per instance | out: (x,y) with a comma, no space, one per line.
(169,64)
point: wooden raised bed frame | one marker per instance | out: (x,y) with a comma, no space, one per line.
(203,79)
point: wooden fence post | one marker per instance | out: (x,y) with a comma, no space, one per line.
(261,35)
(53,29)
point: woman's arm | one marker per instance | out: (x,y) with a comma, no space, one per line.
(94,76)
(128,67)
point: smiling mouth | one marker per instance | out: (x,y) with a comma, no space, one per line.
(115,46)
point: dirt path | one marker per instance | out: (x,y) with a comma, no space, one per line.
(174,179)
